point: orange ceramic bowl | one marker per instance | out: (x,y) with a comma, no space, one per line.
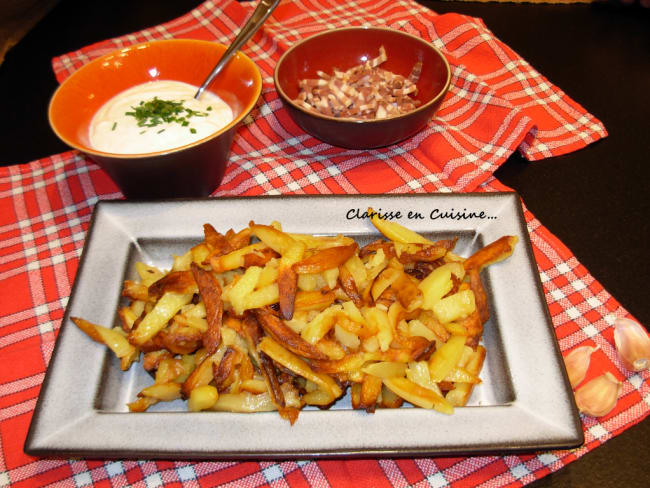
(192,170)
(348,47)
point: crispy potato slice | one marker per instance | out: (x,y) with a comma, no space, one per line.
(274,326)
(322,242)
(142,404)
(388,398)
(480,296)
(200,254)
(380,321)
(148,274)
(348,339)
(396,232)
(253,386)
(151,360)
(164,392)
(454,307)
(419,252)
(331,348)
(387,247)
(210,293)
(271,379)
(385,369)
(241,289)
(325,259)
(244,402)
(359,273)
(492,253)
(203,373)
(287,289)
(202,398)
(169,369)
(351,362)
(417,395)
(239,239)
(321,324)
(218,243)
(446,358)
(461,392)
(234,259)
(179,338)
(385,279)
(166,307)
(135,291)
(277,240)
(313,300)
(370,391)
(437,284)
(317,397)
(408,293)
(461,375)
(113,338)
(259,257)
(346,279)
(294,363)
(181,282)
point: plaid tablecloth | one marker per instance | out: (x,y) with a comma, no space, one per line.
(497,104)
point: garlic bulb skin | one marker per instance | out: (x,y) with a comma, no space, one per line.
(632,343)
(599,396)
(577,363)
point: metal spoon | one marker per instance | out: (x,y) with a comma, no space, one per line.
(261,13)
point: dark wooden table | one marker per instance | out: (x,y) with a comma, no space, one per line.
(595,200)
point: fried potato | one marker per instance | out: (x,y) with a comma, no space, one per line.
(396,232)
(234,259)
(165,392)
(202,398)
(298,366)
(446,358)
(417,395)
(113,338)
(210,293)
(492,253)
(262,319)
(454,307)
(324,259)
(167,306)
(244,402)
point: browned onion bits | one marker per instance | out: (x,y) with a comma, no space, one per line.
(365,91)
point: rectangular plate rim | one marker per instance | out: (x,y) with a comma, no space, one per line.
(567,434)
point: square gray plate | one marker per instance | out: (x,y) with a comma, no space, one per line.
(523,404)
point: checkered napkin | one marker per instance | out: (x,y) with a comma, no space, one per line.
(497,104)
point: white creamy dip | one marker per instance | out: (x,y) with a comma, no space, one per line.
(112,130)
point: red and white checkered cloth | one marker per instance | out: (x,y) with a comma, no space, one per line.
(497,104)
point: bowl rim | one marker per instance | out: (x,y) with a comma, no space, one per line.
(233,123)
(421,108)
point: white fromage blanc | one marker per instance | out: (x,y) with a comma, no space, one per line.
(112,130)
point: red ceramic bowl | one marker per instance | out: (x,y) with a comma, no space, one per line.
(347,47)
(192,170)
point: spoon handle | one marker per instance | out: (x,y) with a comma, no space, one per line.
(260,14)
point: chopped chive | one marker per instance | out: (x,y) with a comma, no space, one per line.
(192,130)
(155,112)
(114,125)
(161,130)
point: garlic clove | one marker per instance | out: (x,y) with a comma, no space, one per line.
(598,396)
(577,363)
(632,343)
